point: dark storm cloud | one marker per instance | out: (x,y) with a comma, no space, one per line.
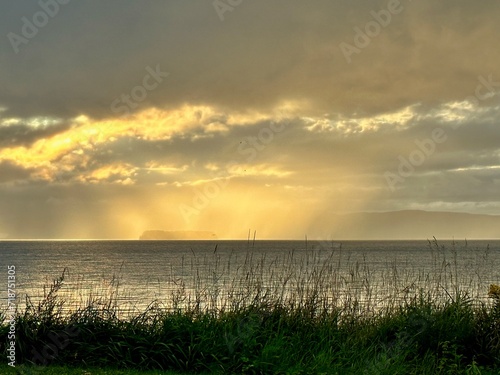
(25,135)
(264,52)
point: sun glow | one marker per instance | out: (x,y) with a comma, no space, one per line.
(71,149)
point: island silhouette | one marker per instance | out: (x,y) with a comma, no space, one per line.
(177,235)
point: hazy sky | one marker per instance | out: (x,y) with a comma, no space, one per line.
(122,116)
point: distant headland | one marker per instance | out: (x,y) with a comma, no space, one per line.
(177,235)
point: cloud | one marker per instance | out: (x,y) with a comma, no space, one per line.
(15,132)
(264,100)
(263,54)
(10,173)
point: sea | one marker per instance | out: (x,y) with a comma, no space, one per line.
(136,274)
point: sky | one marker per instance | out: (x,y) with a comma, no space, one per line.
(118,117)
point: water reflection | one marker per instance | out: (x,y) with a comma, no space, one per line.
(226,274)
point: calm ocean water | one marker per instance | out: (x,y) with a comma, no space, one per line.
(138,272)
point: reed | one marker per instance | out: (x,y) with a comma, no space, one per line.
(313,312)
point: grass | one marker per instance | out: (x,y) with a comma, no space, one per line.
(312,316)
(59,370)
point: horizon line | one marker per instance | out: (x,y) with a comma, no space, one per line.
(241,239)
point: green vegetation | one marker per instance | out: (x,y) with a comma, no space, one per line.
(58,370)
(259,326)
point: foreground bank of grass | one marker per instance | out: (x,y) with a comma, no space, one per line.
(64,370)
(418,338)
(269,331)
